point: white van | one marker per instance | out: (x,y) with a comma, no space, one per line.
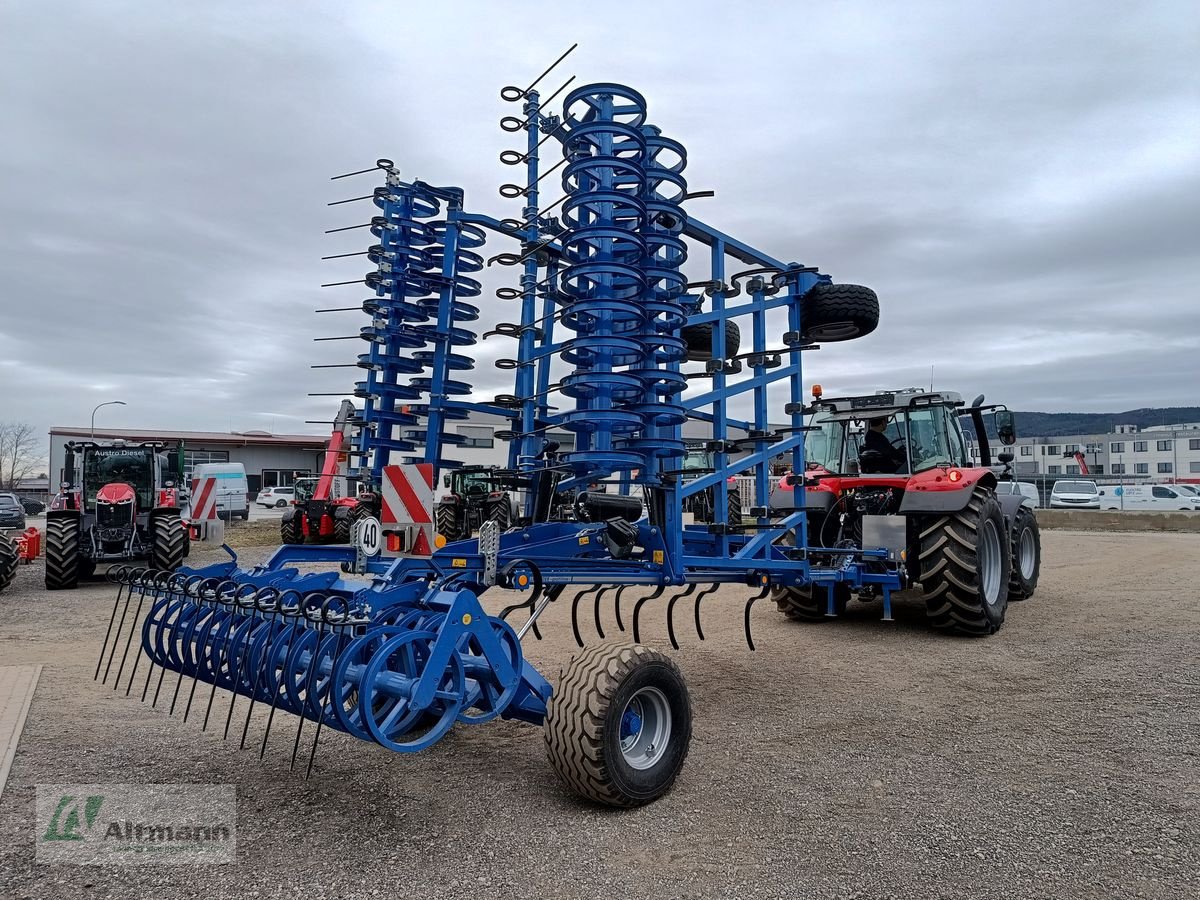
(1072,494)
(1164,497)
(231,488)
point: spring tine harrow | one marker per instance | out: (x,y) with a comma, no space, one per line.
(316,609)
(158,584)
(637,609)
(195,650)
(700,596)
(338,619)
(282,611)
(596,609)
(617,607)
(275,683)
(687,592)
(749,603)
(575,611)
(117,575)
(137,576)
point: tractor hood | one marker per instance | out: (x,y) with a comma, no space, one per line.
(118,492)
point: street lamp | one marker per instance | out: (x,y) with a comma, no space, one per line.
(106,403)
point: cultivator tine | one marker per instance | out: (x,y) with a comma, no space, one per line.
(270,662)
(281,609)
(637,610)
(749,603)
(158,584)
(320,614)
(135,579)
(190,589)
(117,575)
(596,609)
(704,593)
(198,646)
(691,589)
(341,617)
(239,600)
(575,612)
(617,607)
(534,610)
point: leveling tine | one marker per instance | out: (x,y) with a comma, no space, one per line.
(321,618)
(691,589)
(238,600)
(575,612)
(749,603)
(117,575)
(329,686)
(160,582)
(261,663)
(596,609)
(121,625)
(190,589)
(177,584)
(617,607)
(200,630)
(270,661)
(637,609)
(704,593)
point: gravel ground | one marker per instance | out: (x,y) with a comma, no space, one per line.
(853,759)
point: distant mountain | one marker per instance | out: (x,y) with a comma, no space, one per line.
(1041,424)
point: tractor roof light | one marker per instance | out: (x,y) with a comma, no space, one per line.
(817,391)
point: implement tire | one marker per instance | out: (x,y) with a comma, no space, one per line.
(699,340)
(62,553)
(809,603)
(1026,555)
(619,724)
(169,542)
(8,562)
(965,567)
(838,312)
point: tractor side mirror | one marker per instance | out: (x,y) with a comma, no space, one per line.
(1006,426)
(1005,458)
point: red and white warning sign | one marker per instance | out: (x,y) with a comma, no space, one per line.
(407,510)
(203,522)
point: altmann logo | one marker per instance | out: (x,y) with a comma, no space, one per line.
(139,824)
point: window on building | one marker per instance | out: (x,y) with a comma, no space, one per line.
(1070,448)
(1052,450)
(1141,468)
(1072,470)
(1097,470)
(1118,468)
(193,458)
(1163,445)
(1027,450)
(477,436)
(1194,467)
(1095,448)
(1139,446)
(282,477)
(1116,447)
(1054,470)
(1193,444)
(1165,468)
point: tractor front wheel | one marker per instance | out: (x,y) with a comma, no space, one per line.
(62,554)
(1026,555)
(810,603)
(8,562)
(341,525)
(965,567)
(619,725)
(168,542)
(447,522)
(501,513)
(289,530)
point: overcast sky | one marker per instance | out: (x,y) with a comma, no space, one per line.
(1019,182)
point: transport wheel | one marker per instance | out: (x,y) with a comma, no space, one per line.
(965,567)
(699,340)
(809,603)
(341,525)
(8,562)
(1026,561)
(838,312)
(619,724)
(446,521)
(62,554)
(289,531)
(168,539)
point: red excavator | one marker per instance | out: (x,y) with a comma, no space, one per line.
(1077,455)
(326,507)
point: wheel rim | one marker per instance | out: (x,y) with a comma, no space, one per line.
(834,331)
(989,562)
(645,728)
(1027,554)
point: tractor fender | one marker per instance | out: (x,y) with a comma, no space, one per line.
(1009,504)
(933,491)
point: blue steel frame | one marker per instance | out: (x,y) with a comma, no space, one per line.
(600,289)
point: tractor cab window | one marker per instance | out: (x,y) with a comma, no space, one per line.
(305,488)
(934,439)
(824,446)
(697,458)
(471,483)
(134,467)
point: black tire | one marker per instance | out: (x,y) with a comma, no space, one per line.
(500,512)
(168,542)
(733,507)
(810,603)
(1026,562)
(588,710)
(342,524)
(62,554)
(280,504)
(699,340)
(246,515)
(289,531)
(959,597)
(8,561)
(446,521)
(838,312)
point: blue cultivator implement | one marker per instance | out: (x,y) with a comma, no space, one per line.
(616,347)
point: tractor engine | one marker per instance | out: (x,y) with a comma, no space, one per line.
(116,517)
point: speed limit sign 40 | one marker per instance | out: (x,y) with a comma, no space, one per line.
(368,536)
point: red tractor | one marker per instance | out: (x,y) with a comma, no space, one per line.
(890,471)
(118,504)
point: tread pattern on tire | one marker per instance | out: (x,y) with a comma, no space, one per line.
(852,306)
(445,522)
(804,604)
(699,340)
(8,562)
(733,507)
(949,572)
(169,538)
(501,513)
(289,533)
(62,554)
(1018,587)
(574,726)
(341,526)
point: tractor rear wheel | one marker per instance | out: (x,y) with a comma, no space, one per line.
(699,340)
(446,521)
(8,562)
(619,724)
(733,507)
(289,531)
(810,603)
(1026,555)
(500,512)
(838,312)
(965,567)
(169,539)
(62,553)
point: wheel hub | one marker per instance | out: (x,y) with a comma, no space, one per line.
(645,728)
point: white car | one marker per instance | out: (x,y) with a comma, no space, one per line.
(275,496)
(1075,495)
(1162,497)
(1024,488)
